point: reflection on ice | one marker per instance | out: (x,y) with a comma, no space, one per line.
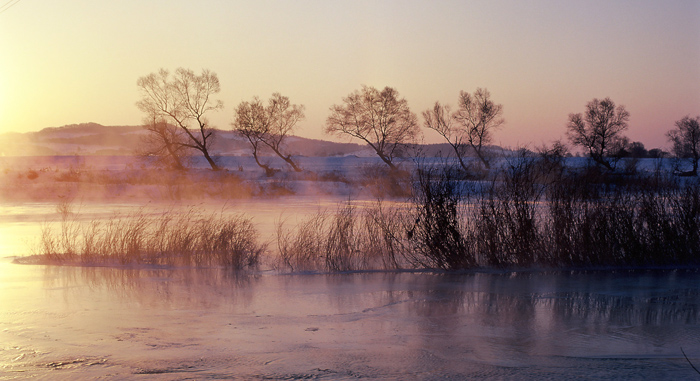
(212,323)
(157,288)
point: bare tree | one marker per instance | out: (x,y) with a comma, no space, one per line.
(251,122)
(599,130)
(184,100)
(269,126)
(441,119)
(283,118)
(479,116)
(686,142)
(471,126)
(379,118)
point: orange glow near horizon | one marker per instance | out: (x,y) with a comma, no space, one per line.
(77,62)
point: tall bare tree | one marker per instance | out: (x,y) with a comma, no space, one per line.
(686,142)
(441,119)
(379,118)
(471,126)
(269,126)
(251,122)
(183,99)
(479,116)
(599,130)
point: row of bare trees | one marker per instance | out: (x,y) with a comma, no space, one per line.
(599,131)
(175,108)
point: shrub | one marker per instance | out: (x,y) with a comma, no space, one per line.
(438,235)
(32,174)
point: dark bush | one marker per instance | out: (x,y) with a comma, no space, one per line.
(438,234)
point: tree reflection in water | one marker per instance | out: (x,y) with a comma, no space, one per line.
(388,324)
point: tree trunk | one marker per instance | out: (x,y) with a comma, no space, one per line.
(177,164)
(290,162)
(601,160)
(269,172)
(387,161)
(287,158)
(211,162)
(481,157)
(461,163)
(455,147)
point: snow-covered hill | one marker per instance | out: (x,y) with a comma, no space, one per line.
(96,139)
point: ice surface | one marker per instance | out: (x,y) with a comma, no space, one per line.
(209,323)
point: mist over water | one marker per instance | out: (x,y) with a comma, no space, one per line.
(173,322)
(442,234)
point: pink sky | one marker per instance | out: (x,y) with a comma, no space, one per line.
(78,61)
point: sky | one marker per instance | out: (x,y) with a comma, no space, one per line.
(77,61)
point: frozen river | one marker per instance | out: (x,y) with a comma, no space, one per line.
(61,322)
(74,322)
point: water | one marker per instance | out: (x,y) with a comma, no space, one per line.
(61,322)
(74,322)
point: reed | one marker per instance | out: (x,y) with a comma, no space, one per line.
(349,239)
(189,238)
(533,213)
(438,237)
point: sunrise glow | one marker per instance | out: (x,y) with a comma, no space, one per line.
(77,62)
(350,189)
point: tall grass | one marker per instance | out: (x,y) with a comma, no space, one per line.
(532,213)
(626,225)
(348,239)
(189,238)
(530,219)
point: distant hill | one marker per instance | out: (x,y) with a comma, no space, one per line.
(74,139)
(96,139)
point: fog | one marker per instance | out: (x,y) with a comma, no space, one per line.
(166,320)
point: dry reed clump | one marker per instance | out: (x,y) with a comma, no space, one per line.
(505,225)
(349,239)
(537,213)
(531,218)
(189,238)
